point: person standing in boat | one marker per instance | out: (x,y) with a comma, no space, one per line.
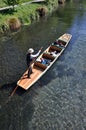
(30,57)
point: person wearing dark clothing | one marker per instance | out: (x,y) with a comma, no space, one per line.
(30,57)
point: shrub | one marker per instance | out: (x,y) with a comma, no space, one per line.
(52,4)
(42,11)
(14,23)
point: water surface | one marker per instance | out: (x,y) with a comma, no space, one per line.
(58,100)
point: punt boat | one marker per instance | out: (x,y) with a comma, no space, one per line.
(50,55)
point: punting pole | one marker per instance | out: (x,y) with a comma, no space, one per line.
(14,91)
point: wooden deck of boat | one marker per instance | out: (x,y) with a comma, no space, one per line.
(66,37)
(25,82)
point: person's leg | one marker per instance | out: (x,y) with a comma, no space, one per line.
(29,71)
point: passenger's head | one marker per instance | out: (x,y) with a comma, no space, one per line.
(30,50)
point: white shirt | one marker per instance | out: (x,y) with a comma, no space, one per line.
(35,55)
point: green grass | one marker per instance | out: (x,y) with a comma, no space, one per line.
(2,4)
(27,14)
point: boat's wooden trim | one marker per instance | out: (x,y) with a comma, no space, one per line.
(39,65)
(55,48)
(40,69)
(48,56)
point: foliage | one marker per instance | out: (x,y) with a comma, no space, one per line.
(3,4)
(11,2)
(26,14)
(4,28)
(52,4)
(14,23)
(42,11)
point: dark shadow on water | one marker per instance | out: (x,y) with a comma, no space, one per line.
(52,73)
(46,78)
(7,86)
(11,87)
(61,70)
(16,108)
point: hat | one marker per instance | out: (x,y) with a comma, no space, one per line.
(30,50)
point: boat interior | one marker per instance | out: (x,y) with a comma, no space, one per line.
(62,42)
(54,48)
(48,56)
(42,66)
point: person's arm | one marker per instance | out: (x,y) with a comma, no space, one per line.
(35,55)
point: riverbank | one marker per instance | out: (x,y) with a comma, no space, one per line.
(26,14)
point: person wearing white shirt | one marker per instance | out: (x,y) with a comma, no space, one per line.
(29,59)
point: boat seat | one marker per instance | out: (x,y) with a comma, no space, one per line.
(40,65)
(55,48)
(48,56)
(63,42)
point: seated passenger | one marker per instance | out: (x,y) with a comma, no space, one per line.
(53,53)
(58,43)
(45,61)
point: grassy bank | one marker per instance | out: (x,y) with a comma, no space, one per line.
(2,4)
(27,14)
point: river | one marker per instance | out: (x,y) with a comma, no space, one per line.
(58,100)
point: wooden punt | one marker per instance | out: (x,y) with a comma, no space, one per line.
(40,69)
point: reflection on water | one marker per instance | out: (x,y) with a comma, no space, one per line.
(58,100)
